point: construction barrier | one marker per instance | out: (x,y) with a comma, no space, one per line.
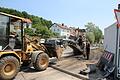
(105,60)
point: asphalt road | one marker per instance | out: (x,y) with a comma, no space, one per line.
(71,63)
(49,74)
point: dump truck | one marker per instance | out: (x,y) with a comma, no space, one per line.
(109,62)
(17,49)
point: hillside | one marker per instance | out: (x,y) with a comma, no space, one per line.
(42,25)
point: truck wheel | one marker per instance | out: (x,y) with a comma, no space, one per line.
(9,67)
(41,62)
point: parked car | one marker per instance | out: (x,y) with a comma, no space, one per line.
(42,40)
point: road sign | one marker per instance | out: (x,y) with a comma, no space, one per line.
(117,15)
(117,59)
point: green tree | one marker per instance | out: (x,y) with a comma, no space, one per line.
(90,27)
(44,31)
(98,34)
(40,24)
(56,34)
(25,14)
(91,37)
(29,31)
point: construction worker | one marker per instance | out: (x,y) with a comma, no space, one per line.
(84,49)
(80,41)
(87,49)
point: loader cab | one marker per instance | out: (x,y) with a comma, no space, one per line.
(12,31)
(4,21)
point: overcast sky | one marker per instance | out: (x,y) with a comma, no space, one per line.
(75,13)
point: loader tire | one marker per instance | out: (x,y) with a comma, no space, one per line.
(9,67)
(41,62)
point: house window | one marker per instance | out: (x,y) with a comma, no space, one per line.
(58,29)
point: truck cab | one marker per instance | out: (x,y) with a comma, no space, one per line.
(11,27)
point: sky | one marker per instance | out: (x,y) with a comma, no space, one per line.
(75,13)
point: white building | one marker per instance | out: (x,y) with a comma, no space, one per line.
(61,29)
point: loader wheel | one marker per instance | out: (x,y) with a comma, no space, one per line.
(9,67)
(41,62)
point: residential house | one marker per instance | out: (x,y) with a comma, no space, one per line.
(61,29)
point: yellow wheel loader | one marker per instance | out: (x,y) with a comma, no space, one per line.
(16,49)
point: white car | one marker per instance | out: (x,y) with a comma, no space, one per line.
(42,40)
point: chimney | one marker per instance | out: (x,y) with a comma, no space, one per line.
(62,24)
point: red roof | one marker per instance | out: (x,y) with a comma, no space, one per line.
(63,26)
